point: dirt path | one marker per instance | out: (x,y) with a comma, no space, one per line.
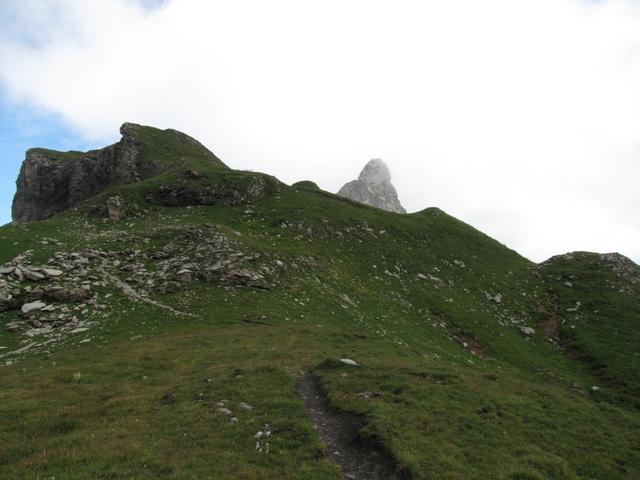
(339,431)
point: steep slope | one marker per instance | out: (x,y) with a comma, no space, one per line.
(196,312)
(597,311)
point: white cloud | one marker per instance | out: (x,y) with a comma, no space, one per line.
(521,118)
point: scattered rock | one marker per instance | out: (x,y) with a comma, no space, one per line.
(497,298)
(71,295)
(230,192)
(528,331)
(115,208)
(33,307)
(34,276)
(246,406)
(348,361)
(51,272)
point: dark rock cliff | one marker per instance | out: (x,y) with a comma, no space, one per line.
(51,182)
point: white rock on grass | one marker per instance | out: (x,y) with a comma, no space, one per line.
(348,361)
(528,331)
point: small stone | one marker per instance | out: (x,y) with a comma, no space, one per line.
(73,295)
(528,331)
(348,361)
(33,307)
(246,406)
(225,411)
(51,272)
(17,273)
(6,270)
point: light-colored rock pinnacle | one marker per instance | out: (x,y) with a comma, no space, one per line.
(374,188)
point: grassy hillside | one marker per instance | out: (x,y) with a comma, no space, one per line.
(219,288)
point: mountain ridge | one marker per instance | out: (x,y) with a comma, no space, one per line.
(167,340)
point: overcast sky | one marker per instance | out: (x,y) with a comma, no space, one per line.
(520,117)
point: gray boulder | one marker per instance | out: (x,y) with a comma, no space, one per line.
(373,187)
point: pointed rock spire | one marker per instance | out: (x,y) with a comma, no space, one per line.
(374,188)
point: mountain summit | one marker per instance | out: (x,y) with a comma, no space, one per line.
(373,187)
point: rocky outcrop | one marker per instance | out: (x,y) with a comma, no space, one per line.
(200,190)
(374,188)
(51,182)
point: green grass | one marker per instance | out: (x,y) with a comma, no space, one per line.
(56,155)
(139,399)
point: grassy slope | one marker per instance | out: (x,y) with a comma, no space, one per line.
(56,155)
(139,399)
(603,332)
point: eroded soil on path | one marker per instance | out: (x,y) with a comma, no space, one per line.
(340,432)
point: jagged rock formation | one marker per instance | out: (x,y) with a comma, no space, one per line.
(374,188)
(51,182)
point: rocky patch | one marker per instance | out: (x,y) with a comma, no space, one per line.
(198,190)
(62,297)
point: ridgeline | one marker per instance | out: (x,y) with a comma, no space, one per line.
(164,316)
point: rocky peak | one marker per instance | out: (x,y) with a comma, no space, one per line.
(375,171)
(51,182)
(373,187)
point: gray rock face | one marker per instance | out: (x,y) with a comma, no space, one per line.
(374,188)
(51,182)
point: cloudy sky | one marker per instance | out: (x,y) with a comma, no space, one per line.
(520,117)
